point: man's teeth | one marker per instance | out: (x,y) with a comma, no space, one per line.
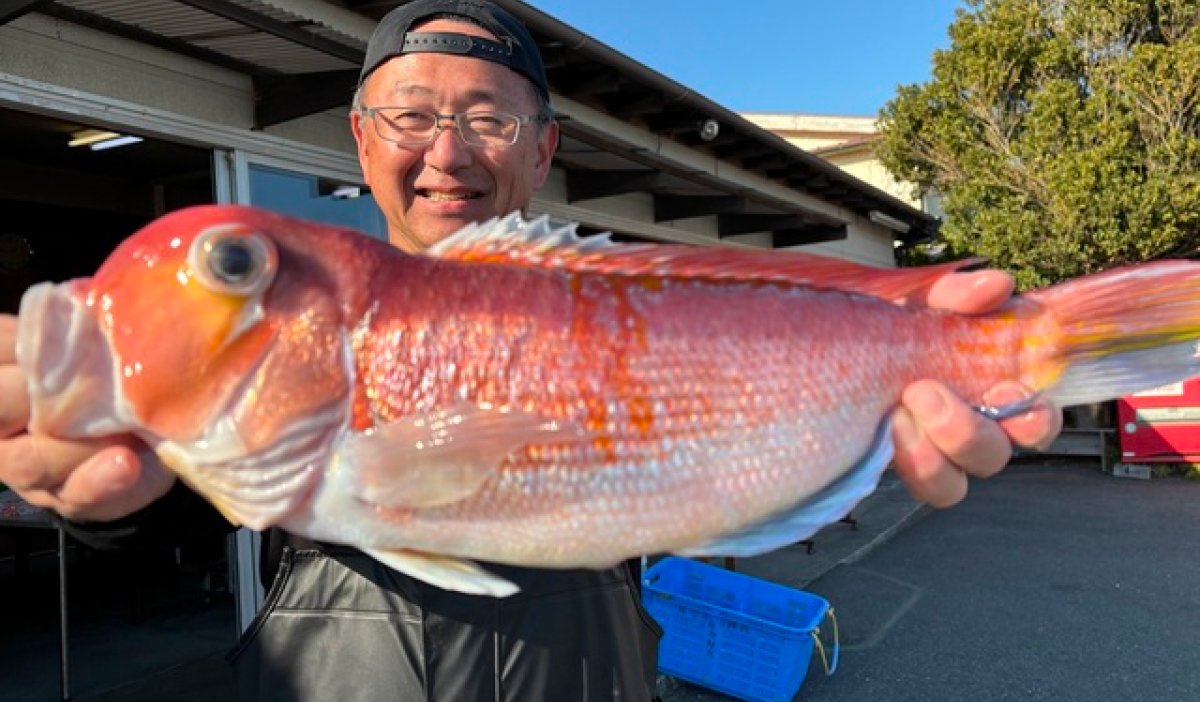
(448,197)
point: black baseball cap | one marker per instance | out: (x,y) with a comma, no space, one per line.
(515,48)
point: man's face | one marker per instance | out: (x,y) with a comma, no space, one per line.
(429,192)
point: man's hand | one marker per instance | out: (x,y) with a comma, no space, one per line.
(939,439)
(83,480)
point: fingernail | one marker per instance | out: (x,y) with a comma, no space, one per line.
(928,406)
(970,280)
(1004,394)
(119,472)
(982,278)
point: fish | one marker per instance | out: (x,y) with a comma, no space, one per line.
(521,394)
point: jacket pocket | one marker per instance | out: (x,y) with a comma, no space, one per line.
(282,576)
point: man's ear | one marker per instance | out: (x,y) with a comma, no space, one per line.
(547,145)
(357,124)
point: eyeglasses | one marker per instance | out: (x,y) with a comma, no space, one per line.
(406,127)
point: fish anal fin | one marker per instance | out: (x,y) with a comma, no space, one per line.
(808,516)
(445,572)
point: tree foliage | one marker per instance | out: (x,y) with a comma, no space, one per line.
(1062,135)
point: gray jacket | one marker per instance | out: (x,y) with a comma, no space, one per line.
(339,627)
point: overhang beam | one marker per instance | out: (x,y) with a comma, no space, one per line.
(672,207)
(632,107)
(590,185)
(12,9)
(281,98)
(674,122)
(731,224)
(776,159)
(813,234)
(600,81)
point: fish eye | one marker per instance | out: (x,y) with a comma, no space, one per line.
(233,260)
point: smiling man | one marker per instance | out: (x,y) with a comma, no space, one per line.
(428,181)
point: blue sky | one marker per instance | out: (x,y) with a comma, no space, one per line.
(830,57)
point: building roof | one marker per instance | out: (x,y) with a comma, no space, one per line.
(303,57)
(848,145)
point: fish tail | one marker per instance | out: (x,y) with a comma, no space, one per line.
(1121,331)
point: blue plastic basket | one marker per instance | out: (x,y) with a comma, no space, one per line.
(733,633)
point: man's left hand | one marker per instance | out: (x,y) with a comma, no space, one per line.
(940,440)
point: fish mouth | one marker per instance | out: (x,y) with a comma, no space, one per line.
(69,368)
(73,379)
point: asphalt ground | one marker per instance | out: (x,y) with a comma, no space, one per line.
(1051,581)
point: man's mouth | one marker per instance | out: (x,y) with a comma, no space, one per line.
(448,196)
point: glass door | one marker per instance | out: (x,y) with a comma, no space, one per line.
(329,200)
(334,197)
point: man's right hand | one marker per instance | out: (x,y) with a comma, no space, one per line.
(81,480)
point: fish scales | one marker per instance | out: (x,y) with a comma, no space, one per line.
(717,363)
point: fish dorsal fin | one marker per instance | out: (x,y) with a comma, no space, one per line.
(540,243)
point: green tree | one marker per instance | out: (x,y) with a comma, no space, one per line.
(1062,135)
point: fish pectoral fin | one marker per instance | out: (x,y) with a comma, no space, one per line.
(437,458)
(808,516)
(445,572)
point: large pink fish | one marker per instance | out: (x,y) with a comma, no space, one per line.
(520,395)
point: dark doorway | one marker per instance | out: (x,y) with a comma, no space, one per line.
(65,208)
(131,614)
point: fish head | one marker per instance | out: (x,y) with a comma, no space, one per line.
(217,334)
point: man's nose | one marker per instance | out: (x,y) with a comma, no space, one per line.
(447,151)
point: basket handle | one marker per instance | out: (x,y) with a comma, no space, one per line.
(830,669)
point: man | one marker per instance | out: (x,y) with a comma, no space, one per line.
(453,125)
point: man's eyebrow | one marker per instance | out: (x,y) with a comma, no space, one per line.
(481,96)
(409,90)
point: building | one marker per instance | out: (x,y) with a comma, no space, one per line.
(245,101)
(847,142)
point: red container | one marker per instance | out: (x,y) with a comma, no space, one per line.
(1161,425)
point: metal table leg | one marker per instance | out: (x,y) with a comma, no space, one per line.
(62,614)
(18,513)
